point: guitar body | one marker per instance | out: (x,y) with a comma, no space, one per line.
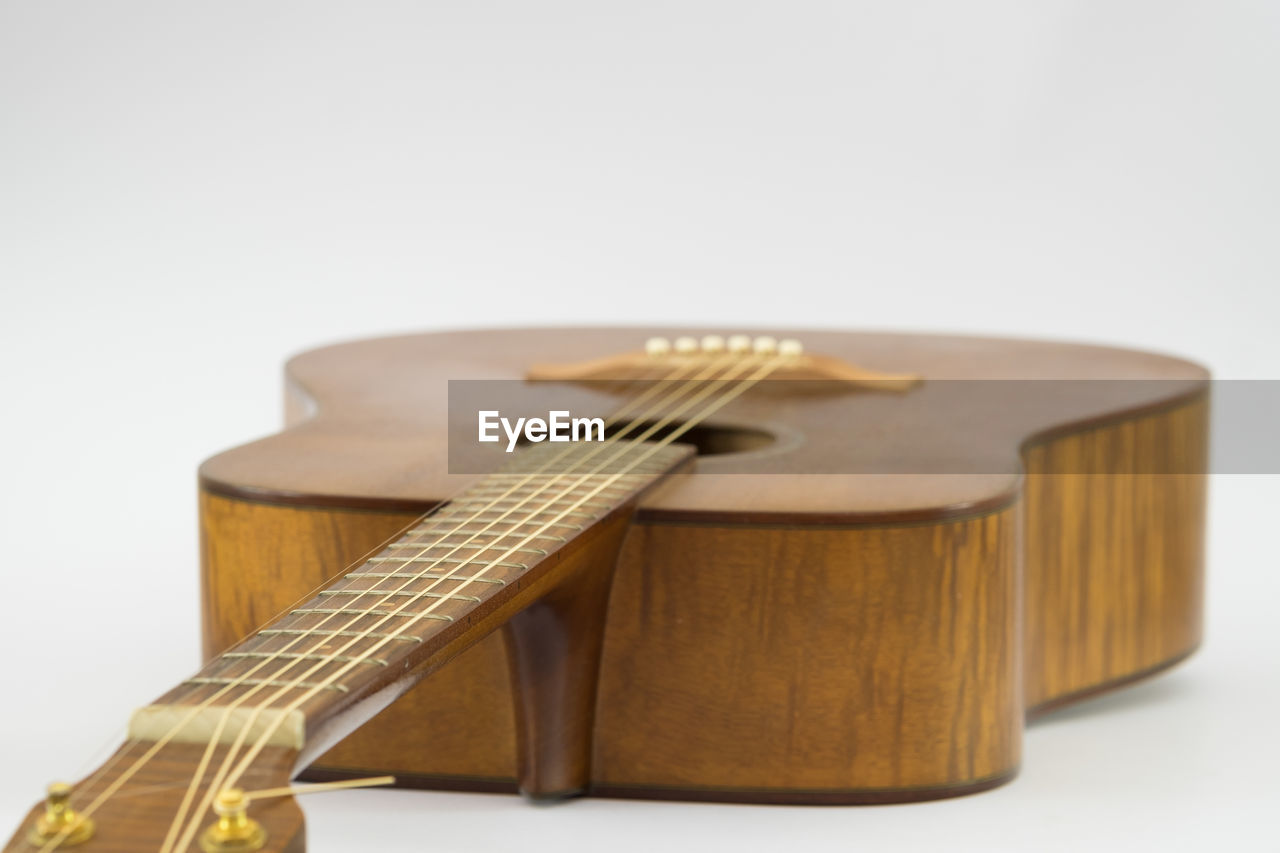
(825,613)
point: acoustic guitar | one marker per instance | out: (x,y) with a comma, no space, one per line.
(843,572)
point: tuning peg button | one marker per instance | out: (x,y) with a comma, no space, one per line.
(59,821)
(234,831)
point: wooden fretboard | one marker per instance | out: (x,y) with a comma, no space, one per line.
(338,658)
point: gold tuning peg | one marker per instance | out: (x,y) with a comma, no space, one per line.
(234,830)
(60,821)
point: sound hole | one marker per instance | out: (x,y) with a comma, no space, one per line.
(709,439)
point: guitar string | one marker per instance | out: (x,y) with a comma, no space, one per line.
(532,536)
(218,783)
(89,780)
(97,802)
(389,594)
(426,547)
(86,785)
(657,388)
(653,448)
(739,388)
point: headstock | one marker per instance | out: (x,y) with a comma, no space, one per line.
(129,805)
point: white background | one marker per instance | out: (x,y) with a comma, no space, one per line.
(189,193)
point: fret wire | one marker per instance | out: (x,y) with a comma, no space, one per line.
(445,516)
(409,592)
(476,499)
(478,532)
(516,467)
(529,463)
(609,492)
(482,492)
(550,479)
(331,610)
(485,498)
(514,526)
(530,518)
(516,501)
(486,486)
(479,546)
(236,682)
(300,656)
(431,576)
(314,632)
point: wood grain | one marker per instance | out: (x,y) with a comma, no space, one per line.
(875,629)
(813,660)
(554,651)
(847,673)
(138,816)
(1115,579)
(465,722)
(843,638)
(377,432)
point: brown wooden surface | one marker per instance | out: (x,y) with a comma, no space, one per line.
(377,436)
(823,638)
(813,660)
(1115,563)
(553,648)
(304,547)
(355,646)
(138,816)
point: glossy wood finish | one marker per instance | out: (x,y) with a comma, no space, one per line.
(323,669)
(358,644)
(852,661)
(360,410)
(553,648)
(1115,566)
(841,638)
(465,724)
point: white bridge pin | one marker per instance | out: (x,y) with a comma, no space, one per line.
(657,346)
(765,345)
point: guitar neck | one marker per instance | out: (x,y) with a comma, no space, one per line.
(315,673)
